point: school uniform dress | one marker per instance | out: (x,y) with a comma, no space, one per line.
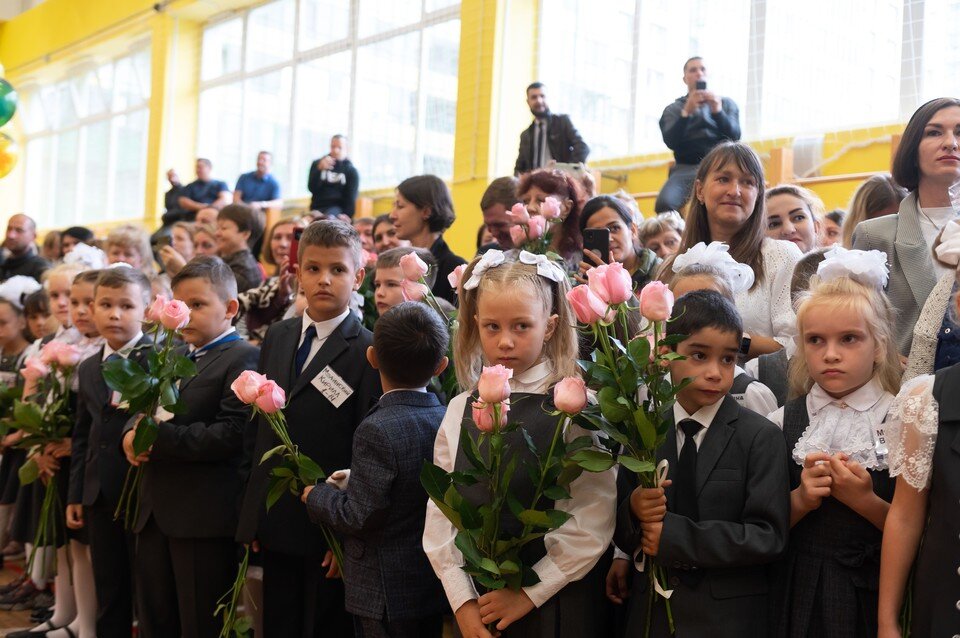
(298,600)
(390,587)
(923,431)
(719,551)
(751,393)
(568,596)
(829,579)
(97,472)
(186,556)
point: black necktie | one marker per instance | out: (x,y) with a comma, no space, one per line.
(685,485)
(537,145)
(304,351)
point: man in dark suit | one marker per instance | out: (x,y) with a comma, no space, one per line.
(320,362)
(723,517)
(98,467)
(551,137)
(390,586)
(186,555)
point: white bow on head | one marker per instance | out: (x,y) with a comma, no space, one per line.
(491,259)
(716,254)
(545,267)
(869,267)
(16,288)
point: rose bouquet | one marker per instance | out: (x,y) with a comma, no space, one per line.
(635,422)
(294,471)
(534,233)
(148,390)
(45,420)
(478,499)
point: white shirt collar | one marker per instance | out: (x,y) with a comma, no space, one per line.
(860,400)
(532,379)
(218,338)
(125,350)
(423,389)
(704,416)
(324,328)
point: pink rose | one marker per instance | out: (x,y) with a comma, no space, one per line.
(570,395)
(611,282)
(50,351)
(519,213)
(271,397)
(494,384)
(175,315)
(587,306)
(369,258)
(34,369)
(456,276)
(518,235)
(155,311)
(247,386)
(413,267)
(483,415)
(412,291)
(68,356)
(656,301)
(550,208)
(536,227)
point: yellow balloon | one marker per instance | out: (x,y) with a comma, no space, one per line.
(9,154)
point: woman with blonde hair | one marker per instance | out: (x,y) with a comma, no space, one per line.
(130,245)
(875,197)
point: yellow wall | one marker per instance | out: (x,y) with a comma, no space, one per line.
(497,60)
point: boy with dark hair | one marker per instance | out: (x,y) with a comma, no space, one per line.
(238,228)
(186,555)
(381,509)
(388,276)
(723,516)
(98,466)
(320,362)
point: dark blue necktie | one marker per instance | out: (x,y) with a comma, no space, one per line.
(304,351)
(199,352)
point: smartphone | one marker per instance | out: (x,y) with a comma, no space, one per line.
(294,249)
(597,240)
(166,240)
(701,85)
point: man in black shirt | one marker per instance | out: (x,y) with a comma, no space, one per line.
(171,199)
(333,181)
(551,137)
(692,125)
(20,250)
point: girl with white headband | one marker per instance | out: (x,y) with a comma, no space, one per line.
(845,375)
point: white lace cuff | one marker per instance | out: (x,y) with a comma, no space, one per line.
(912,432)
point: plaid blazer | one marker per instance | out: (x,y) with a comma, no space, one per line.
(912,276)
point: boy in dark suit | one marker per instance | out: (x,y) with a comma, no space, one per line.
(98,466)
(390,586)
(186,554)
(320,362)
(723,516)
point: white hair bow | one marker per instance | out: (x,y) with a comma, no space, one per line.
(716,254)
(948,250)
(545,267)
(16,288)
(87,256)
(869,267)
(491,259)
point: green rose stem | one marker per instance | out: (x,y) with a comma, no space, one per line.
(227,604)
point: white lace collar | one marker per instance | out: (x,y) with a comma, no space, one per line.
(845,425)
(533,379)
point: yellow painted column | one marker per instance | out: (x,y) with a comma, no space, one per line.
(496,64)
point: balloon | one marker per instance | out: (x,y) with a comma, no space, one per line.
(9,153)
(8,101)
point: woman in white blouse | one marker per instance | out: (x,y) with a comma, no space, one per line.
(727,206)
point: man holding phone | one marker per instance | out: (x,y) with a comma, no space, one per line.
(692,125)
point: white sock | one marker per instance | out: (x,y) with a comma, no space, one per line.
(85,593)
(253,598)
(42,565)
(65,607)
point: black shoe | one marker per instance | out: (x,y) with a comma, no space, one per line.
(27,633)
(20,599)
(13,585)
(41,615)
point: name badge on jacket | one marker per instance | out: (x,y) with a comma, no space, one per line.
(332,386)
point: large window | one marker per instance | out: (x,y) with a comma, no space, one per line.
(86,143)
(793,68)
(288,75)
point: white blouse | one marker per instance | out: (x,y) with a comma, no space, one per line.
(912,432)
(847,425)
(766,309)
(572,549)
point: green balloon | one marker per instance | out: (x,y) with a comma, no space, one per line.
(8,101)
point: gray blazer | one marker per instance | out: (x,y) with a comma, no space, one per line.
(912,276)
(382,511)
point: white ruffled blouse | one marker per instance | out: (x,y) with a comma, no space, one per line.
(912,431)
(845,425)
(767,309)
(572,549)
